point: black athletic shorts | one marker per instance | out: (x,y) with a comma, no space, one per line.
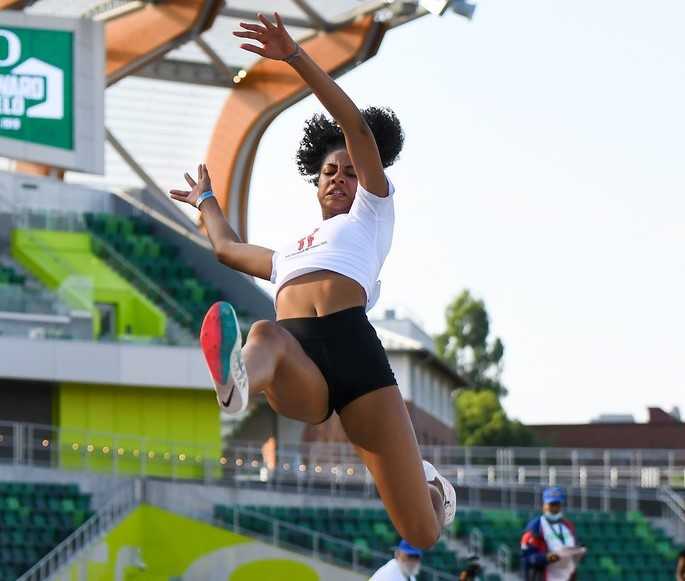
(346,349)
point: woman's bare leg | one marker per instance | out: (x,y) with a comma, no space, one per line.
(278,367)
(379,427)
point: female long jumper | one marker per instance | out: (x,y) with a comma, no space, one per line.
(322,354)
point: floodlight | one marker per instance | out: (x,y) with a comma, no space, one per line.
(436,7)
(463,8)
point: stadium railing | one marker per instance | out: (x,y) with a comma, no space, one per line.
(332,468)
(312,543)
(675,512)
(122,503)
(614,469)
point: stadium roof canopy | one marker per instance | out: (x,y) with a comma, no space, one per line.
(168,57)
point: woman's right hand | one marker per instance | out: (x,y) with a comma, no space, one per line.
(277,43)
(203,184)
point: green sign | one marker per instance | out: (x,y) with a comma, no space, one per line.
(36,86)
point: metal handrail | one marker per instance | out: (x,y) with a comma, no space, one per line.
(275,538)
(147,283)
(675,498)
(92,530)
(676,507)
(68,294)
(332,463)
(503,559)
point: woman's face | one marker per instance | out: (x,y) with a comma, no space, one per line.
(337,184)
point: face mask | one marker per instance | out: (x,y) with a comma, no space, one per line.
(410,569)
(553,517)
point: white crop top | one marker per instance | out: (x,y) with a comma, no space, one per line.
(354,245)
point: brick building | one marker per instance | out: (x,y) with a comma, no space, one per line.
(662,430)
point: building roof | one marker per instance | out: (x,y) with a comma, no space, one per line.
(192,79)
(395,343)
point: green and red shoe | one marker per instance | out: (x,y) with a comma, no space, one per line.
(221,342)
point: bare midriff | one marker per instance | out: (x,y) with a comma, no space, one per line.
(318,294)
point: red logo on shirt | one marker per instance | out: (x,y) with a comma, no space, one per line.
(308,240)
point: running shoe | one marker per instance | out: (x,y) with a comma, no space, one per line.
(449,496)
(221,341)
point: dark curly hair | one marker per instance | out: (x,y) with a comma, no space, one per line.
(322,135)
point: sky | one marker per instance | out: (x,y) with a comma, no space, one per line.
(544,171)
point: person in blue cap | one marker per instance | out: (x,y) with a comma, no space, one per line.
(404,567)
(546,542)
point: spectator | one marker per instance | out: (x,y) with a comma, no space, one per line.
(546,542)
(680,567)
(471,571)
(404,567)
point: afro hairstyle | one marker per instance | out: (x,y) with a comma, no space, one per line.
(323,135)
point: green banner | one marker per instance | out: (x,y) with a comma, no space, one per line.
(36,86)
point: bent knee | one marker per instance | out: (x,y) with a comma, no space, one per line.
(266,332)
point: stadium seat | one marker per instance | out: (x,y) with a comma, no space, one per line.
(159,261)
(367,529)
(33,519)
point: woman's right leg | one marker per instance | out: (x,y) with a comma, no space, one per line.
(278,367)
(378,426)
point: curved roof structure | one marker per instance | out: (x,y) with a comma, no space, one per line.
(180,90)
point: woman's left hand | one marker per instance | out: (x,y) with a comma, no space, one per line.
(277,43)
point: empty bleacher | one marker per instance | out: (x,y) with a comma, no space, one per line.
(64,261)
(159,261)
(10,276)
(33,519)
(368,529)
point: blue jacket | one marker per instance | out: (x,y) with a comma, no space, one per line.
(534,550)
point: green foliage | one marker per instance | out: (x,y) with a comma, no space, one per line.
(467,345)
(483,422)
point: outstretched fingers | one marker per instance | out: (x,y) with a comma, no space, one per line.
(180,195)
(254,49)
(191,182)
(253,27)
(251,35)
(266,22)
(279,21)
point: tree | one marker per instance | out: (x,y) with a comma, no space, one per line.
(466,344)
(483,422)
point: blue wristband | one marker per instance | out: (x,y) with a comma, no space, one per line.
(203,197)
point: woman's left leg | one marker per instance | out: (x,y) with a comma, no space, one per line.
(379,427)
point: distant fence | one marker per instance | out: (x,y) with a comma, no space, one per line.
(336,467)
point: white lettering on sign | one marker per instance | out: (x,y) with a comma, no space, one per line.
(13,48)
(27,87)
(10,123)
(12,106)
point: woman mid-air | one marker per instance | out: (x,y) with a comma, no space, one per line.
(322,354)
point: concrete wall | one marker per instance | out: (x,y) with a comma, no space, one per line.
(38,194)
(77,324)
(109,363)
